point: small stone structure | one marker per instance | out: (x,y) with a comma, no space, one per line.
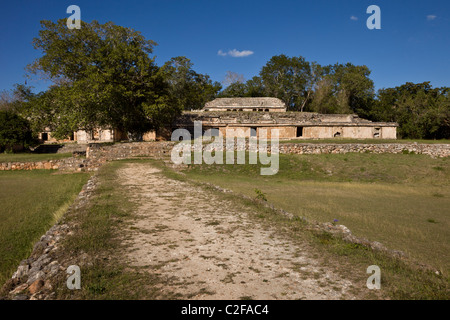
(246,104)
(97,135)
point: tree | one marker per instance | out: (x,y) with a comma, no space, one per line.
(15,131)
(189,89)
(286,78)
(324,101)
(103,75)
(422,112)
(353,88)
(255,87)
(233,77)
(251,88)
(341,88)
(10,99)
(6,100)
(234,90)
(313,77)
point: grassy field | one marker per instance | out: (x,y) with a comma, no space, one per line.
(32,157)
(110,210)
(399,200)
(31,202)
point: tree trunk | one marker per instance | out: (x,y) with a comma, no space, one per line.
(304,102)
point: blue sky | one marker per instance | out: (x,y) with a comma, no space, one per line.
(413,44)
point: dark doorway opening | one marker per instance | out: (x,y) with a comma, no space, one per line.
(377,133)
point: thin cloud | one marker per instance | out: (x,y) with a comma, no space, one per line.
(354,18)
(431,17)
(235,53)
(238,54)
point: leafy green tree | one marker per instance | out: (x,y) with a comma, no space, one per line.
(255,87)
(313,77)
(422,112)
(234,90)
(342,88)
(324,100)
(251,88)
(353,87)
(103,75)
(286,78)
(189,89)
(14,131)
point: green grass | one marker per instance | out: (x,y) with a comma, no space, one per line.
(30,203)
(32,157)
(399,200)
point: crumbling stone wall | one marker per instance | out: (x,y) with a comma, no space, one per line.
(74,163)
(52,164)
(433,150)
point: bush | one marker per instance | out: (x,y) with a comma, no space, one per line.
(15,132)
(260,195)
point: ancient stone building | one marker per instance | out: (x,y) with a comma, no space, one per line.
(270,113)
(97,135)
(244,114)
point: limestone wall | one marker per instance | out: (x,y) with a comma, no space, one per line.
(389,133)
(434,150)
(66,164)
(52,164)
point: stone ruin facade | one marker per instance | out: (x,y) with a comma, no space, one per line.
(97,135)
(248,117)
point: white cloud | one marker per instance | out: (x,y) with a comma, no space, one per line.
(353,18)
(431,17)
(235,53)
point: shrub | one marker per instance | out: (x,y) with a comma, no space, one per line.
(260,195)
(15,132)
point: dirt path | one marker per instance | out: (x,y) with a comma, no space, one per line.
(208,249)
